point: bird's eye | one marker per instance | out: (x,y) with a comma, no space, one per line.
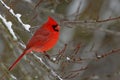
(55,27)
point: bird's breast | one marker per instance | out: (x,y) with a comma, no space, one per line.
(50,43)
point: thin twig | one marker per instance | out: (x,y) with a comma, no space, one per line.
(106,54)
(38,4)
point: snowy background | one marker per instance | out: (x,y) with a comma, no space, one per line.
(87,49)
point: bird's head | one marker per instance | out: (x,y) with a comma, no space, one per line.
(53,24)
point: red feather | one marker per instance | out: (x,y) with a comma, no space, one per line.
(43,39)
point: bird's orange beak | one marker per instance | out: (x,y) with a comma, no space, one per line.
(58,28)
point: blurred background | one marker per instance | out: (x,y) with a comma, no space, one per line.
(88,47)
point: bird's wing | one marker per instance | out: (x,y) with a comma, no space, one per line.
(39,38)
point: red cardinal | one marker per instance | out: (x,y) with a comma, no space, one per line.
(43,39)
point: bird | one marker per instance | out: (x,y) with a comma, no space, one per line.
(44,38)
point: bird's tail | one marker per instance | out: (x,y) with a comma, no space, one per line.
(18,59)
